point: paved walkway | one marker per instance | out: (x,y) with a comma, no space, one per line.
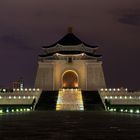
(51,125)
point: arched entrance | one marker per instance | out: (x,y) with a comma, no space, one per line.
(70,79)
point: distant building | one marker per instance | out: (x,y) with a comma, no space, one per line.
(18,84)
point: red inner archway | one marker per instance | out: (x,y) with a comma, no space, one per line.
(70,79)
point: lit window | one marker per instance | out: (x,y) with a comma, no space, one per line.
(4,90)
(105,97)
(125,110)
(111,97)
(101,89)
(131,111)
(118,89)
(114,89)
(28,109)
(21,89)
(10,97)
(111,109)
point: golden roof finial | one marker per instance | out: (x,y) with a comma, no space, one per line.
(70,29)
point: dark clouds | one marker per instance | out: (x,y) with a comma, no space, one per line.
(26,25)
(13,42)
(130,16)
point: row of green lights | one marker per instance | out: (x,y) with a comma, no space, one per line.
(124,110)
(15,110)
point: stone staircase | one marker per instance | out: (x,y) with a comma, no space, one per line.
(70,100)
(92,100)
(47,100)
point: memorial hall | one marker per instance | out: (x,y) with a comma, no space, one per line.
(69,77)
(70,63)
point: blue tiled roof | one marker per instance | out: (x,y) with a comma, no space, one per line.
(70,39)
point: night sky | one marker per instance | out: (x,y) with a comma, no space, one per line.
(113,25)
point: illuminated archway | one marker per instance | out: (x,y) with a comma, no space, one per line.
(70,79)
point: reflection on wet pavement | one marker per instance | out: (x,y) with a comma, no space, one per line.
(69,125)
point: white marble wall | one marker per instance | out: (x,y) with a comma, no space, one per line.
(44,77)
(62,66)
(120,96)
(20,97)
(90,74)
(95,75)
